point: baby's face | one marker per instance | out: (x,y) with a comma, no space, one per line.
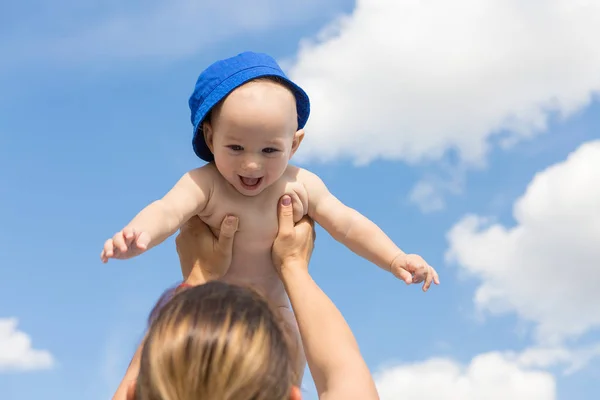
(253,135)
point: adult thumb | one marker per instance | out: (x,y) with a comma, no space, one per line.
(228,229)
(286,215)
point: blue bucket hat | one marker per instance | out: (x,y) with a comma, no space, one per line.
(222,77)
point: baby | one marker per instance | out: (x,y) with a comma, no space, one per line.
(248,119)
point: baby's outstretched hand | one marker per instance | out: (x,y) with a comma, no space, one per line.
(412,268)
(125,244)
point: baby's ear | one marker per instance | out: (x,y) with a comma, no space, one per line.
(207,131)
(298,137)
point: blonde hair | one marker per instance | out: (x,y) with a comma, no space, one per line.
(215,342)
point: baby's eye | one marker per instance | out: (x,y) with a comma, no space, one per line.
(270,150)
(236,147)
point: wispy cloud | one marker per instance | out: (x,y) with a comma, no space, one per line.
(172,29)
(573,360)
(429,193)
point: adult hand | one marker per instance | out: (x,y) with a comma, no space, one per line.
(202,255)
(294,242)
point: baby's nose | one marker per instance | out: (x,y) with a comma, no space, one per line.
(251,165)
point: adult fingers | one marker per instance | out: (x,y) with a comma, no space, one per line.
(229,227)
(306,226)
(305,229)
(286,216)
(192,225)
(191,230)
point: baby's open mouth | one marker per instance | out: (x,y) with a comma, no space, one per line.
(250,183)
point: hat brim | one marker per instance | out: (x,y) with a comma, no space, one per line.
(230,84)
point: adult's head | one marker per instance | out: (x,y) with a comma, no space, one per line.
(215,341)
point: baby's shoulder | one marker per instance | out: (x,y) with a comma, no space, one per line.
(206,177)
(307,180)
(299,175)
(203,174)
(294,179)
(207,170)
(201,182)
(301,184)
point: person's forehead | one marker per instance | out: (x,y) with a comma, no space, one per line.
(264,112)
(269,103)
(262,137)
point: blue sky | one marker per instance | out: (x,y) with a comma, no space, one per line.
(94,125)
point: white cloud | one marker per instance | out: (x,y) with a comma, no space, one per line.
(428,193)
(427,197)
(16,351)
(572,360)
(490,376)
(411,80)
(546,267)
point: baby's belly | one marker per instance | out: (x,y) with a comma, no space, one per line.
(252,266)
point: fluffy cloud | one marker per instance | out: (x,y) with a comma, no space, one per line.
(411,80)
(16,351)
(545,268)
(490,376)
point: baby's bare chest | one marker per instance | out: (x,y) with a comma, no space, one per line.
(258,222)
(258,225)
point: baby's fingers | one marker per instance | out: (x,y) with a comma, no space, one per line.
(404,275)
(142,241)
(107,251)
(436,277)
(128,236)
(119,242)
(428,280)
(432,276)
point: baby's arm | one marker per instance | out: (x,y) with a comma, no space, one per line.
(361,235)
(162,218)
(347,225)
